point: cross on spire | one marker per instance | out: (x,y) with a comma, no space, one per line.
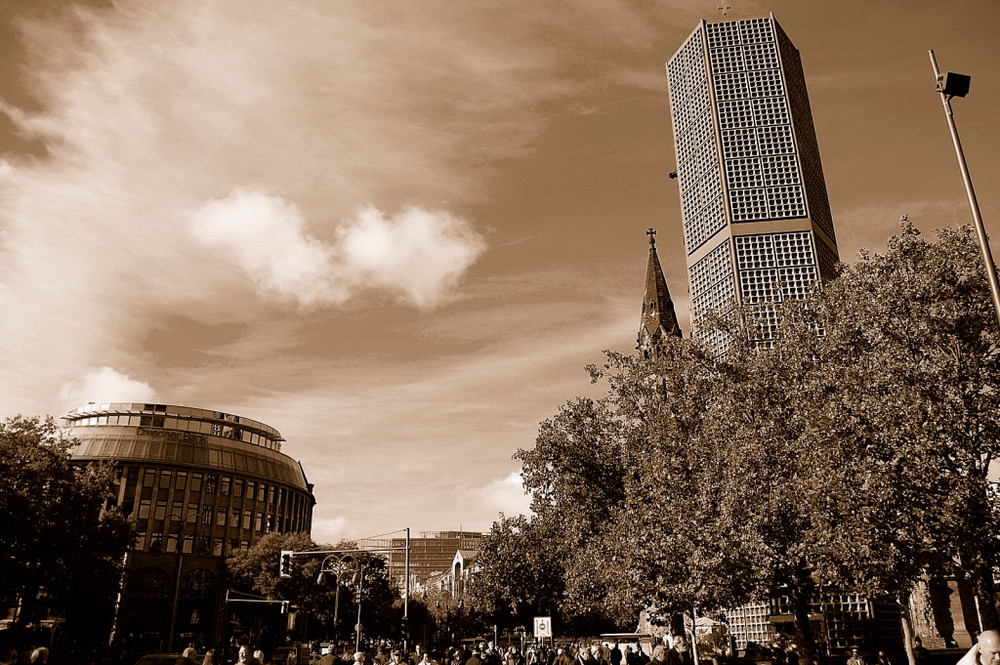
(651,232)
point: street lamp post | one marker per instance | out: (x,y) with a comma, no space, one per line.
(957,85)
(342,561)
(177,581)
(321,580)
(357,628)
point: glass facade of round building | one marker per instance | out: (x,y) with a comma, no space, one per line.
(200,486)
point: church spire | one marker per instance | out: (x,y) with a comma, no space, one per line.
(658,317)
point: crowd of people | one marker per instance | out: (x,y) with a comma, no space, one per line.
(30,656)
(676,651)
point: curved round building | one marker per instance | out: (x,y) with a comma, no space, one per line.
(200,485)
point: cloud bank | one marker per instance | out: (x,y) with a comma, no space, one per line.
(417,255)
(106,385)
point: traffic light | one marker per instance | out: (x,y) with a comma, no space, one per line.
(285,564)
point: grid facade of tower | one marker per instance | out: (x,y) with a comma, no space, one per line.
(757,223)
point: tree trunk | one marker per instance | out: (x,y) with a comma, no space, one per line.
(980,577)
(982,584)
(804,642)
(907,625)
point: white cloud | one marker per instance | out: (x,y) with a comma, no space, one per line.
(420,252)
(331,530)
(106,385)
(418,255)
(505,495)
(266,237)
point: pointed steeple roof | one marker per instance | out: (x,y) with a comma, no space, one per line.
(658,316)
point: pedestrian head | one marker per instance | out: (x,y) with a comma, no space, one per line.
(40,656)
(659,653)
(258,656)
(989,648)
(359,657)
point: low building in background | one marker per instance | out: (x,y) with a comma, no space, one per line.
(432,552)
(200,485)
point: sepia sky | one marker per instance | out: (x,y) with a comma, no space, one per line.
(397,231)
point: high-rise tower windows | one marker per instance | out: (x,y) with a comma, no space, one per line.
(737,90)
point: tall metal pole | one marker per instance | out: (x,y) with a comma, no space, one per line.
(357,629)
(984,244)
(406,592)
(336,609)
(694,633)
(177,596)
(180,571)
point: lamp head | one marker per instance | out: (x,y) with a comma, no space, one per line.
(953,85)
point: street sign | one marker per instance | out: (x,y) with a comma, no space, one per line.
(543,627)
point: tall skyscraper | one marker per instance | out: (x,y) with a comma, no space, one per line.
(757,224)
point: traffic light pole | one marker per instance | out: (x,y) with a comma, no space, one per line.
(285,571)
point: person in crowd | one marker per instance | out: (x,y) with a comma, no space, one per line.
(244,656)
(562,658)
(920,653)
(856,658)
(597,654)
(490,655)
(680,651)
(615,655)
(791,654)
(474,658)
(40,656)
(630,656)
(882,659)
(777,654)
(209,657)
(986,650)
(187,656)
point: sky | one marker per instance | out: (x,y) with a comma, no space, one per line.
(398,231)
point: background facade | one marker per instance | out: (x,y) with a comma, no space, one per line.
(200,485)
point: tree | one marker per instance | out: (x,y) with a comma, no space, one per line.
(850,449)
(62,541)
(913,334)
(256,570)
(520,574)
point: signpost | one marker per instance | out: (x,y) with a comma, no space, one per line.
(543,627)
